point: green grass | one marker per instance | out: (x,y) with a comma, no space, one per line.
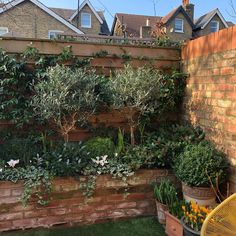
(137,227)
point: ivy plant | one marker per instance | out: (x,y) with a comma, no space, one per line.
(15,88)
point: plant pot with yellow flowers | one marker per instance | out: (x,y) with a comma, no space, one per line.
(194,216)
(174,215)
(201,168)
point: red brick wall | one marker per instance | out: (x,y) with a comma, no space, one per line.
(211,89)
(68,205)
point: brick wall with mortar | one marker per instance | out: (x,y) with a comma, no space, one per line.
(29,21)
(68,205)
(211,89)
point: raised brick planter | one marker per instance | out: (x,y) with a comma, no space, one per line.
(69,206)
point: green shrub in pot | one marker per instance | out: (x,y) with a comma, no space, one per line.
(200,163)
(165,192)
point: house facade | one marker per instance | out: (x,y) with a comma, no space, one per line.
(32,19)
(179,24)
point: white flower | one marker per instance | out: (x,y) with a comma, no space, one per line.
(97,161)
(1,170)
(116,154)
(101,160)
(12,163)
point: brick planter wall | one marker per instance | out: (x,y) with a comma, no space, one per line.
(68,205)
(211,89)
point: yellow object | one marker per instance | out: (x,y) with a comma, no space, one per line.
(222,220)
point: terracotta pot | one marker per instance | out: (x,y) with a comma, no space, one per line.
(188,231)
(174,226)
(161,208)
(202,196)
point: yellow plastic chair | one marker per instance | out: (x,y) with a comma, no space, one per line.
(222,220)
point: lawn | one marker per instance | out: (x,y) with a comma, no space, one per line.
(136,227)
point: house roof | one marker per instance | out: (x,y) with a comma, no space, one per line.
(230,23)
(171,15)
(134,22)
(91,7)
(104,26)
(67,13)
(14,3)
(203,21)
(166,18)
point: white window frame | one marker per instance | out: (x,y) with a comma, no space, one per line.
(182,24)
(90,20)
(4,28)
(217,26)
(54,31)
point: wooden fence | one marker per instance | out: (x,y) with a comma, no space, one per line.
(116,56)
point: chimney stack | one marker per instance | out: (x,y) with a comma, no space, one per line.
(189,8)
(146,30)
(185,2)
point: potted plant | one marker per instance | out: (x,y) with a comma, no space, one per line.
(174,215)
(201,168)
(194,216)
(165,194)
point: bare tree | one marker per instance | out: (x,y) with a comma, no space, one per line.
(232,11)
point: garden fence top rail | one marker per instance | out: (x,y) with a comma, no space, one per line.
(88,49)
(148,42)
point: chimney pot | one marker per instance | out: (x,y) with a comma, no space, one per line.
(185,2)
(189,8)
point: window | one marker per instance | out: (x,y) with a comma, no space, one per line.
(179,25)
(214,26)
(85,20)
(3,30)
(52,34)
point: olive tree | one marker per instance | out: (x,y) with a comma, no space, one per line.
(144,91)
(66,97)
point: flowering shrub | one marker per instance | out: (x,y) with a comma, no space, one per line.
(194,215)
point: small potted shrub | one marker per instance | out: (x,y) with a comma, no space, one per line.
(194,216)
(174,215)
(201,168)
(165,194)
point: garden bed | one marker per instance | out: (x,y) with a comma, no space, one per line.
(112,199)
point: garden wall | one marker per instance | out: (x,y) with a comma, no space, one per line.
(211,89)
(161,58)
(165,59)
(111,200)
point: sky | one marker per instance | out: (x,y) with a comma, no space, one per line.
(146,7)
